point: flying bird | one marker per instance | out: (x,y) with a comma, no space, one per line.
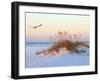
(34,27)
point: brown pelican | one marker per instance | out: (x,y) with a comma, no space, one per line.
(34,27)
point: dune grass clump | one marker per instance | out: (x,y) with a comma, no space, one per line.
(64,42)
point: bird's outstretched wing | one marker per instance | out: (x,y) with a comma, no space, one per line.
(34,27)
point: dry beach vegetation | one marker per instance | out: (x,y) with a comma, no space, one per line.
(64,42)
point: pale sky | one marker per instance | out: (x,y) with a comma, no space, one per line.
(52,23)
